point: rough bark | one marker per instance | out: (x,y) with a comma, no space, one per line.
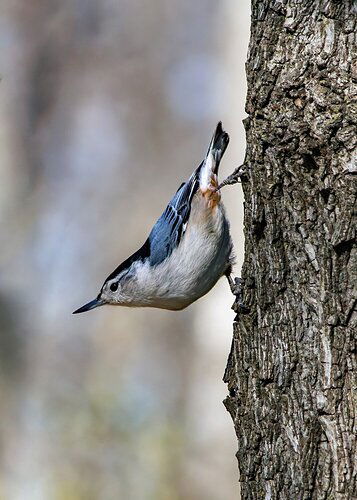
(291,372)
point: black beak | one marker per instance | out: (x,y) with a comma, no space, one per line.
(91,305)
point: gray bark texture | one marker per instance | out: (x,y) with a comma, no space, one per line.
(291,373)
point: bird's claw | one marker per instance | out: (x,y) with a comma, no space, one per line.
(239,175)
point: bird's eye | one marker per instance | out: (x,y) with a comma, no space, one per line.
(114,286)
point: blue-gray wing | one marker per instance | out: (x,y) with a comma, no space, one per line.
(169,229)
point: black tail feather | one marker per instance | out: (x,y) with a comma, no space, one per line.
(218,145)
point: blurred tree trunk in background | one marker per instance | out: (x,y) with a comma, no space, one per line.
(291,372)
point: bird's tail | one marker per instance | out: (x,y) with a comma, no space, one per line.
(217,147)
(209,167)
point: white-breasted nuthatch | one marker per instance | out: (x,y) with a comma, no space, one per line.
(187,251)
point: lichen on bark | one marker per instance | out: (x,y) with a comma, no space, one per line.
(291,372)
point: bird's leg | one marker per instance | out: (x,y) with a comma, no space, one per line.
(239,175)
(236,286)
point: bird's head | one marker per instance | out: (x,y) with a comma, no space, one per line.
(121,286)
(115,291)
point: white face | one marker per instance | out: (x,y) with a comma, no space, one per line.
(111,291)
(117,291)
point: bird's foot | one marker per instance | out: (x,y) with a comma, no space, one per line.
(240,174)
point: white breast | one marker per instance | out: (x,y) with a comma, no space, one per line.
(194,267)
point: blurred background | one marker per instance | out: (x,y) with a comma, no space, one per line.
(106,106)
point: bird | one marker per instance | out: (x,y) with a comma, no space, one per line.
(188,250)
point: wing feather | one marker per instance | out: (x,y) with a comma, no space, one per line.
(170,228)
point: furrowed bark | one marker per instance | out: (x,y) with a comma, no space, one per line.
(291,372)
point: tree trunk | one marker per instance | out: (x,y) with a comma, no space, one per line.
(291,372)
